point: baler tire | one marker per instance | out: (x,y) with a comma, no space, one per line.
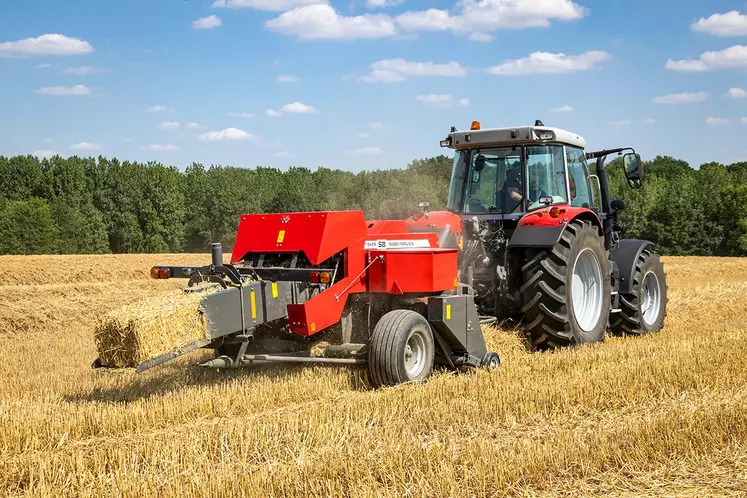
(551,321)
(389,347)
(629,321)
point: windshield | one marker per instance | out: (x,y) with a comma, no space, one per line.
(496,179)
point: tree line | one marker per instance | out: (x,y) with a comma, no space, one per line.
(80,205)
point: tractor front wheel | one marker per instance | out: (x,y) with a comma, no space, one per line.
(402,349)
(567,288)
(643,310)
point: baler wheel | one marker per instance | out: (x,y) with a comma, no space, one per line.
(643,311)
(402,349)
(567,289)
(491,361)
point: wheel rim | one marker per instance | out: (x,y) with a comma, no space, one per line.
(587,290)
(415,354)
(650,298)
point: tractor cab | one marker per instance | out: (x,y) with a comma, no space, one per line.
(504,173)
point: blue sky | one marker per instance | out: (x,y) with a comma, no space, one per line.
(366,84)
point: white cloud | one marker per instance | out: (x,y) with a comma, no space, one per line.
(621,122)
(286,78)
(170,125)
(736,93)
(273,113)
(481,37)
(43,153)
(435,100)
(85,70)
(363,135)
(682,98)
(485,16)
(690,66)
(565,108)
(227,134)
(321,21)
(365,151)
(393,70)
(298,108)
(157,108)
(729,58)
(278,5)
(649,121)
(161,148)
(85,146)
(730,24)
(49,44)
(192,126)
(743,120)
(378,125)
(64,91)
(241,114)
(441,100)
(711,121)
(208,22)
(377,4)
(44,66)
(549,63)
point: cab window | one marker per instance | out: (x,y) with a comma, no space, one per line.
(578,178)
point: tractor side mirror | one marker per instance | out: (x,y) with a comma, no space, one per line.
(633,169)
(618,205)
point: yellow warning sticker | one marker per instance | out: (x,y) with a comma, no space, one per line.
(281,236)
(448,312)
(274,290)
(254,305)
(313,327)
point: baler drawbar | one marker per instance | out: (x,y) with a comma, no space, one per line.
(332,287)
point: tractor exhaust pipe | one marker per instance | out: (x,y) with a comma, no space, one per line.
(217,250)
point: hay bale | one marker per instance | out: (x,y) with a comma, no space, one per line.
(150,327)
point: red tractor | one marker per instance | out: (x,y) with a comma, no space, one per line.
(540,238)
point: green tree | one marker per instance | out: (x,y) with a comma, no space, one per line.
(26,227)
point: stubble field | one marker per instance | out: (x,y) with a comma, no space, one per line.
(661,415)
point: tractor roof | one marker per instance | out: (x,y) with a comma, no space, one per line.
(510,136)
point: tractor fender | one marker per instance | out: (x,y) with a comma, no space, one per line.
(625,256)
(536,236)
(540,229)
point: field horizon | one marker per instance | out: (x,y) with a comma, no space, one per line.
(659,415)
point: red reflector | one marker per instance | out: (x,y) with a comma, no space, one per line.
(163,273)
(314,277)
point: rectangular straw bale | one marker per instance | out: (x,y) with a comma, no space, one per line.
(150,327)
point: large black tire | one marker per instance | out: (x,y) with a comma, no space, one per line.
(394,340)
(632,319)
(547,292)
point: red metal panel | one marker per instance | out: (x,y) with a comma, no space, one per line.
(319,312)
(408,271)
(566,213)
(386,227)
(319,235)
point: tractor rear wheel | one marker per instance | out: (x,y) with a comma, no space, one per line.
(402,349)
(643,310)
(567,288)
